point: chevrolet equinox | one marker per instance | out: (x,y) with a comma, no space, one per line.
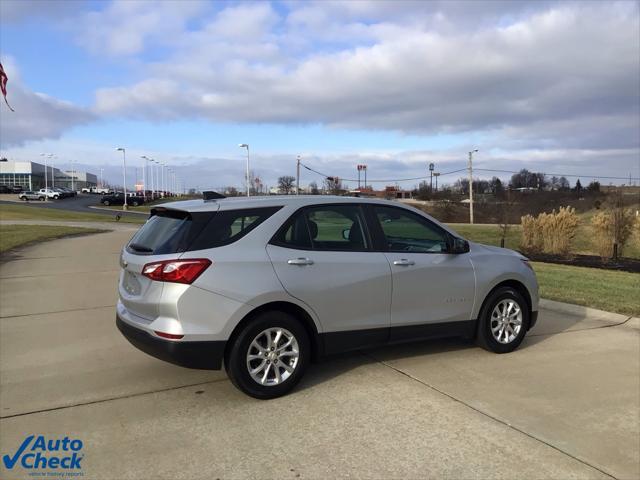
(264,285)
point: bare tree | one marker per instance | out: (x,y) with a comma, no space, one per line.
(313,188)
(286,183)
(333,185)
(505,218)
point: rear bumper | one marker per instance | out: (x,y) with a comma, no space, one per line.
(205,355)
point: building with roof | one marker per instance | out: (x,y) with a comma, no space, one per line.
(31,176)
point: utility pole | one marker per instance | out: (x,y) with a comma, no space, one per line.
(298,176)
(471,185)
(431,167)
(436,174)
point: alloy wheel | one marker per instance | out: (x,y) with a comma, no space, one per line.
(273,356)
(506,321)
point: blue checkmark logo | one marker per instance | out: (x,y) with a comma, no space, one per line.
(10,462)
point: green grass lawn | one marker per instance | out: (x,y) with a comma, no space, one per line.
(13,236)
(592,287)
(490,235)
(22,212)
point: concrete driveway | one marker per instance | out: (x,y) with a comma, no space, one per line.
(565,405)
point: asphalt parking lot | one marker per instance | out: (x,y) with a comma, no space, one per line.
(565,405)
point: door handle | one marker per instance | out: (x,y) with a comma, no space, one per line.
(404,262)
(300,261)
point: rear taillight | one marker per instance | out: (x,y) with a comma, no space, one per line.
(177,271)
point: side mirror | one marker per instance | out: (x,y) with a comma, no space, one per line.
(459,245)
(345,233)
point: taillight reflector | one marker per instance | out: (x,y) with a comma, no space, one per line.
(168,335)
(176,271)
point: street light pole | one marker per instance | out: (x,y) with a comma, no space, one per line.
(124,176)
(246,145)
(156,168)
(46,184)
(53,173)
(298,176)
(144,175)
(471,185)
(164,179)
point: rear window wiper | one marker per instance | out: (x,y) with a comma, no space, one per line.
(140,248)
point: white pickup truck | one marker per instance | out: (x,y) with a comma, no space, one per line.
(49,193)
(96,190)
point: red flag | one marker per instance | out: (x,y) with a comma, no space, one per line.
(3,86)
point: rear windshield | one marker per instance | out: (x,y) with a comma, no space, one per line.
(175,231)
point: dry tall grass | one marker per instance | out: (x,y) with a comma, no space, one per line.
(616,225)
(550,232)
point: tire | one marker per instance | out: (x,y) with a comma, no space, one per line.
(135,203)
(23,199)
(238,363)
(505,339)
(106,203)
(55,197)
(41,199)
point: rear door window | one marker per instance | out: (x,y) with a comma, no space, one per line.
(327,227)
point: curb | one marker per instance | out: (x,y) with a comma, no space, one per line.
(118,211)
(587,312)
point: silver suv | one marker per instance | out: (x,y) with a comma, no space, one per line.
(267,284)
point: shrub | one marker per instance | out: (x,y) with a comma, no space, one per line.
(636,231)
(615,225)
(531,238)
(602,234)
(550,232)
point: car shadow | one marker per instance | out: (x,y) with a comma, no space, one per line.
(325,369)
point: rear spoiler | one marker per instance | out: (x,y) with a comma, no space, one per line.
(210,195)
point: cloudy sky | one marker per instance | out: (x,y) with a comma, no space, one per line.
(544,85)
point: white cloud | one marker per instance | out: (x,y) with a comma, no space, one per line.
(15,11)
(36,116)
(125,26)
(554,67)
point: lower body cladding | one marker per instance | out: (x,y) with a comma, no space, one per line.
(209,355)
(206,355)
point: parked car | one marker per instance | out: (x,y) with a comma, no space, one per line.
(49,193)
(101,190)
(118,199)
(30,195)
(61,193)
(5,189)
(69,192)
(265,285)
(16,188)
